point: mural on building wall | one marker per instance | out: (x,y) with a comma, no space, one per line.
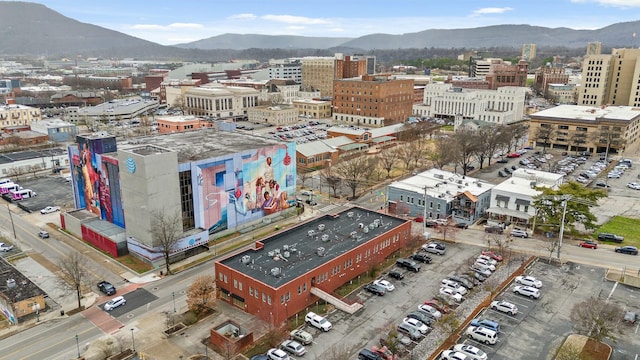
(244,186)
(96,181)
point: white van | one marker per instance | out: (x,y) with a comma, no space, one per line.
(482,334)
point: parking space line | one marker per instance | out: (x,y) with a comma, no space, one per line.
(612,290)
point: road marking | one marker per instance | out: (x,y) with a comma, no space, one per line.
(612,290)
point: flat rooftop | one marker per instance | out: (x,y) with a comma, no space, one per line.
(442,184)
(589,113)
(294,252)
(201,143)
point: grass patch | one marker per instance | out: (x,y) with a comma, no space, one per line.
(623,226)
(134,264)
(447,128)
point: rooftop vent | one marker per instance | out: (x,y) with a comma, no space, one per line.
(321,227)
(276,272)
(311,233)
(286,254)
(350,214)
(271,253)
(377,222)
(325,237)
(354,234)
(245,259)
(361,225)
(479,184)
(11,283)
(320,251)
(285,247)
(365,230)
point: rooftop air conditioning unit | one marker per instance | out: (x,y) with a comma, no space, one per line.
(320,251)
(311,233)
(276,272)
(354,234)
(350,214)
(325,237)
(245,259)
(320,227)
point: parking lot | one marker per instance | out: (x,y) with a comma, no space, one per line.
(541,325)
(51,191)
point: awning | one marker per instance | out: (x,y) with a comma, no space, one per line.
(502,198)
(383,139)
(523,202)
(509,212)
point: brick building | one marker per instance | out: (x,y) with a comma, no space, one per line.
(282,274)
(373,100)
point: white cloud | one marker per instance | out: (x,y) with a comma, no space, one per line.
(491,10)
(147,27)
(614,3)
(185,26)
(290,19)
(242,17)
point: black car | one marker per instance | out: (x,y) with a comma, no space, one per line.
(421,257)
(493,229)
(479,277)
(501,173)
(366,354)
(421,316)
(503,161)
(610,237)
(375,289)
(430,223)
(631,250)
(507,170)
(311,202)
(462,225)
(408,264)
(106,287)
(398,275)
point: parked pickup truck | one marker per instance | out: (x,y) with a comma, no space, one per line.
(106,287)
(317,321)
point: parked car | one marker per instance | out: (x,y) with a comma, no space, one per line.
(461,225)
(408,264)
(453,285)
(385,284)
(438,305)
(488,259)
(528,281)
(633,185)
(293,347)
(462,281)
(631,317)
(502,161)
(366,354)
(50,209)
(434,248)
(519,233)
(435,313)
(486,264)
(317,321)
(489,324)
(301,336)
(375,289)
(472,352)
(114,303)
(492,255)
(398,275)
(588,244)
(529,291)
(610,237)
(478,269)
(311,202)
(483,335)
(413,333)
(421,257)
(5,248)
(451,294)
(631,250)
(106,287)
(421,316)
(493,229)
(505,307)
(453,355)
(514,155)
(416,324)
(277,354)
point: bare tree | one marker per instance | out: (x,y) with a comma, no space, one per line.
(418,149)
(201,295)
(545,134)
(166,227)
(72,272)
(569,351)
(500,241)
(597,318)
(404,155)
(577,140)
(369,170)
(465,145)
(331,179)
(303,175)
(550,245)
(388,160)
(352,172)
(106,347)
(441,153)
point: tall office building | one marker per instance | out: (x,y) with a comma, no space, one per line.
(611,79)
(320,72)
(594,48)
(528,52)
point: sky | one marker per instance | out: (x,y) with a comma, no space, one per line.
(181,21)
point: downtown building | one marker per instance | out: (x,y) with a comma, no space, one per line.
(611,79)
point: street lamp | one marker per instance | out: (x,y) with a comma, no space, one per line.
(133,341)
(173,294)
(78,346)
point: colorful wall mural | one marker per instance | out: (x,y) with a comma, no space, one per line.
(96,179)
(233,190)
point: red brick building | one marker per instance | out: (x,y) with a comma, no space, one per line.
(274,280)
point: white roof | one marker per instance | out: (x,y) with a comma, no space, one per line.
(443,184)
(581,112)
(542,178)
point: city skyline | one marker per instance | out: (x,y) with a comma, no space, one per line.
(170,23)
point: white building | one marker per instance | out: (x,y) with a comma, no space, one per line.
(220,102)
(288,69)
(512,200)
(505,105)
(18,115)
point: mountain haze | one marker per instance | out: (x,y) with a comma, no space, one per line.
(241,41)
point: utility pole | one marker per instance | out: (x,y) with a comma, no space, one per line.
(564,213)
(13,226)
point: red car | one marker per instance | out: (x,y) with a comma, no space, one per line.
(588,244)
(492,255)
(438,306)
(513,155)
(419,219)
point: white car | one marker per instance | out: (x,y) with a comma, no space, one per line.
(277,354)
(451,293)
(385,284)
(486,264)
(5,248)
(416,324)
(613,175)
(527,291)
(431,310)
(453,355)
(488,259)
(528,281)
(472,352)
(114,303)
(505,307)
(50,209)
(633,185)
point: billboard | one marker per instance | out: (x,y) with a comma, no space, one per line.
(96,179)
(233,190)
